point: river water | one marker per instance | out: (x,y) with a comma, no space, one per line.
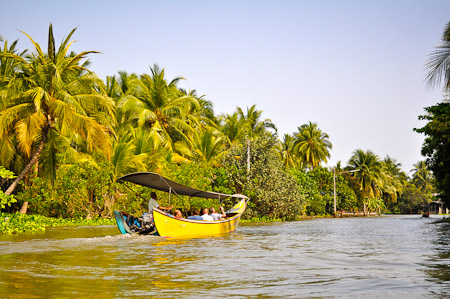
(378,257)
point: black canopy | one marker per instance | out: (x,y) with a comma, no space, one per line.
(155,181)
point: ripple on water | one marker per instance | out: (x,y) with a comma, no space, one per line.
(384,257)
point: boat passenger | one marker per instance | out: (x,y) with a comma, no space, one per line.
(195,215)
(206,216)
(215,215)
(152,203)
(178,214)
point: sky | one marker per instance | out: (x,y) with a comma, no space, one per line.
(356,68)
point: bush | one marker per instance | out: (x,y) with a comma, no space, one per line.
(6,200)
(17,223)
(273,192)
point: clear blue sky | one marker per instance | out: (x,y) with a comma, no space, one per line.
(356,68)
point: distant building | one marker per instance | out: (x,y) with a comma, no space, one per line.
(437,207)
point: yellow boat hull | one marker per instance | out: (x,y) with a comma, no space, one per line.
(170,227)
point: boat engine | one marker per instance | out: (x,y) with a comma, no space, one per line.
(146,224)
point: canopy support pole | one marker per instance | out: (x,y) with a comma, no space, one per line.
(170,193)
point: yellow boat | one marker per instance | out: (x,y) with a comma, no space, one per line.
(167,225)
(171,227)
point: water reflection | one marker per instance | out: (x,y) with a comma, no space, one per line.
(384,257)
(437,265)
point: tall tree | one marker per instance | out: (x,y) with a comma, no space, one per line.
(206,145)
(436,147)
(367,169)
(232,128)
(312,145)
(438,64)
(422,177)
(52,100)
(287,153)
(393,179)
(160,107)
(251,122)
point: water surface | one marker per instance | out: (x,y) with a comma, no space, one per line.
(387,257)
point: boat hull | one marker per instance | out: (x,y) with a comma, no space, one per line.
(171,227)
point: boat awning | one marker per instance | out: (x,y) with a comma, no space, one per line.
(155,181)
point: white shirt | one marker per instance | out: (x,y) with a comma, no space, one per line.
(207,217)
(152,204)
(216,216)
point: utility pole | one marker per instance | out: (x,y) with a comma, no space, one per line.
(248,159)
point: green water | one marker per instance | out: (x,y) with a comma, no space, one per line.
(387,257)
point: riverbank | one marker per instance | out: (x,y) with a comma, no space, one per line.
(19,223)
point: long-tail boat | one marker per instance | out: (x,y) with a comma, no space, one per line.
(168,226)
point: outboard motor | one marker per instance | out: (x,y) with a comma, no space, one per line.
(147,224)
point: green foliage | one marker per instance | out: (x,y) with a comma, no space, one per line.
(5,200)
(196,175)
(374,203)
(260,219)
(311,145)
(273,192)
(81,190)
(316,186)
(412,199)
(436,146)
(17,223)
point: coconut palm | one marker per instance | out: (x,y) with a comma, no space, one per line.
(367,168)
(422,177)
(251,122)
(160,107)
(231,128)
(201,114)
(312,145)
(8,67)
(54,100)
(287,153)
(438,64)
(207,145)
(393,178)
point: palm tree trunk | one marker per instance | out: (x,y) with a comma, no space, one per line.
(27,169)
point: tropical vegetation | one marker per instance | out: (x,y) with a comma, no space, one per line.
(67,137)
(436,147)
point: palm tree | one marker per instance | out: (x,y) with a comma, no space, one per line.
(312,145)
(422,177)
(287,153)
(8,67)
(201,114)
(251,122)
(206,145)
(160,107)
(231,128)
(394,179)
(438,64)
(54,100)
(367,168)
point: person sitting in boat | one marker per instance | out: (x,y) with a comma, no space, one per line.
(152,203)
(206,216)
(217,216)
(195,215)
(178,214)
